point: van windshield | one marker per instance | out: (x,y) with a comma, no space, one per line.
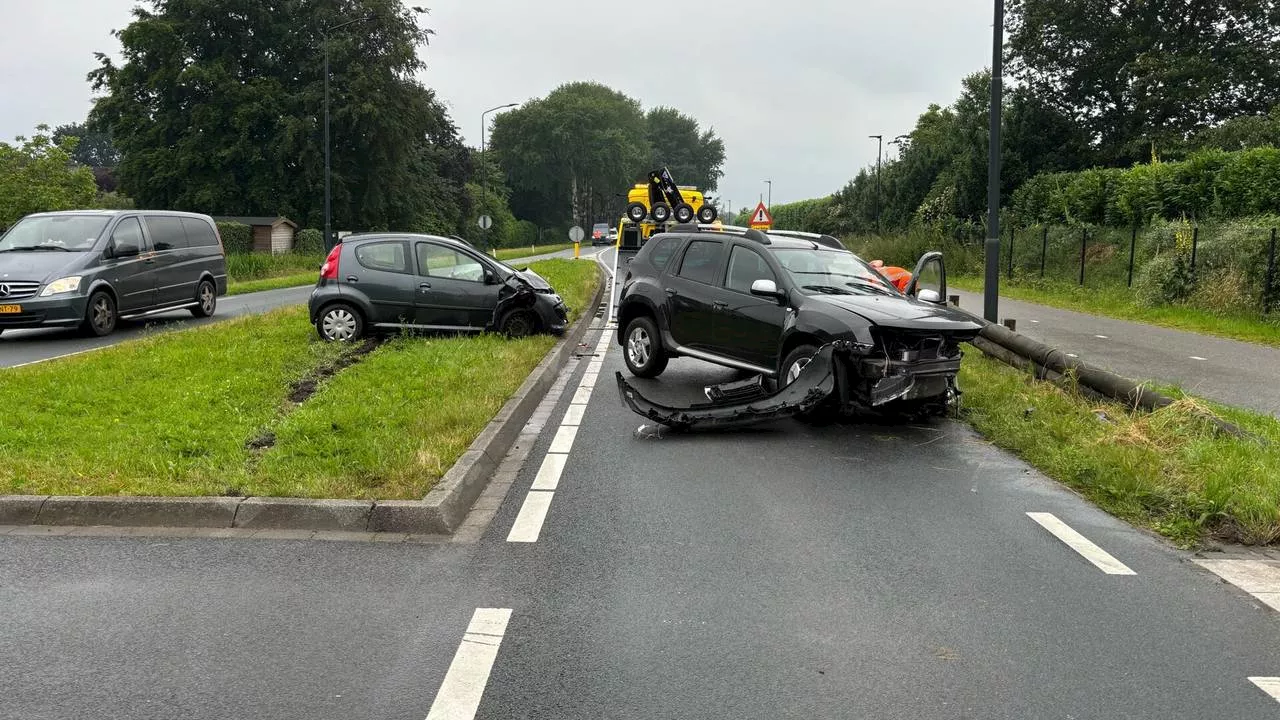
(56,233)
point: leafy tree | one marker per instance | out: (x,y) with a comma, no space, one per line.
(582,140)
(694,156)
(94,148)
(38,176)
(1242,133)
(1138,73)
(211,117)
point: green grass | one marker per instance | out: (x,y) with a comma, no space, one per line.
(521,252)
(1117,302)
(1170,470)
(260,266)
(275,283)
(171,413)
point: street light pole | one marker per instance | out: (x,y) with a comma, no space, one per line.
(879,155)
(484,181)
(991,296)
(770,204)
(328,192)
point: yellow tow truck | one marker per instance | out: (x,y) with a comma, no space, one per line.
(657,205)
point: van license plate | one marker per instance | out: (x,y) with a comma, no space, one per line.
(10,309)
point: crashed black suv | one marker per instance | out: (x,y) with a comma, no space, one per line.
(768,303)
(393,281)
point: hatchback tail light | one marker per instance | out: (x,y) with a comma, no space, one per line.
(329,270)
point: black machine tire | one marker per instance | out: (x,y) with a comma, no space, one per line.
(661,212)
(707,214)
(636,212)
(684,213)
(651,360)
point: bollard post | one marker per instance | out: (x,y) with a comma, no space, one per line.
(1044,249)
(576,247)
(1084,244)
(1133,246)
(1268,291)
(1012,324)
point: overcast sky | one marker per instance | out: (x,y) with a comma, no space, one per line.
(794,88)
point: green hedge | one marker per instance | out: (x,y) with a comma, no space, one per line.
(1209,184)
(236,237)
(309,240)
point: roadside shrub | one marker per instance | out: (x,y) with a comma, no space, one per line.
(1224,290)
(1165,280)
(236,237)
(309,240)
(525,234)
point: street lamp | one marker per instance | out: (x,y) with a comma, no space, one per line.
(879,155)
(484,181)
(991,287)
(770,204)
(328,192)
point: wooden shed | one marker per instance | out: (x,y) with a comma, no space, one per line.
(270,234)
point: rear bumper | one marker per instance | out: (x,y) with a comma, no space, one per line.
(56,311)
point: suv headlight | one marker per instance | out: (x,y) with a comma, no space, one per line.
(63,285)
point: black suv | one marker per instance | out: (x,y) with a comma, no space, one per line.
(392,281)
(766,303)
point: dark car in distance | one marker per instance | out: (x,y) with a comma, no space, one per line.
(399,281)
(766,302)
(93,268)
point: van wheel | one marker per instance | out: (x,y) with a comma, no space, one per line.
(340,323)
(207,297)
(643,350)
(100,316)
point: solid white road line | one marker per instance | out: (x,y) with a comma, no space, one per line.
(464,683)
(533,513)
(563,441)
(549,474)
(589,380)
(573,416)
(1269,685)
(57,357)
(1094,554)
(581,396)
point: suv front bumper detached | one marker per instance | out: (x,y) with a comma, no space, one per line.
(841,377)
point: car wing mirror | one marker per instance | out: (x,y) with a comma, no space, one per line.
(930,296)
(766,288)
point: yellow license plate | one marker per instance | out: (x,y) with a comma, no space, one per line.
(10,309)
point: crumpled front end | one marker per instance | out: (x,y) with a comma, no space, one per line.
(906,365)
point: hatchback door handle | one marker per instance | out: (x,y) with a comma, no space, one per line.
(352,278)
(720,305)
(424,286)
(671,292)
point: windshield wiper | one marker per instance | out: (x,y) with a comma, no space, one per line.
(874,286)
(827,289)
(36,248)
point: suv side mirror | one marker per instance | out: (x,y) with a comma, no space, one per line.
(766,288)
(929,281)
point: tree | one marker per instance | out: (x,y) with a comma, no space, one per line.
(558,152)
(1242,133)
(94,148)
(1142,73)
(694,156)
(212,118)
(38,176)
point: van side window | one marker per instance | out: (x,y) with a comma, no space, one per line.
(199,233)
(128,236)
(166,232)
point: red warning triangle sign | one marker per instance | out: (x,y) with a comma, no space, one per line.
(761,217)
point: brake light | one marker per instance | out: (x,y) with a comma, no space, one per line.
(329,270)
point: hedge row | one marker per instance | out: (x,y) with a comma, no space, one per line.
(1209,184)
(236,237)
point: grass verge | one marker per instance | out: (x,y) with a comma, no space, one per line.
(275,283)
(506,254)
(1170,470)
(1117,302)
(189,412)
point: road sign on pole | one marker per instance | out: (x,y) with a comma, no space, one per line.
(485,222)
(761,219)
(576,234)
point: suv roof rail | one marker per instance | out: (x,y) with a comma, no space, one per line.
(827,240)
(758,236)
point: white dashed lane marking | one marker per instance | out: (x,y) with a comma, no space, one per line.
(563,441)
(1074,540)
(1268,685)
(1101,337)
(1259,579)
(468,674)
(573,416)
(1197,357)
(549,474)
(528,524)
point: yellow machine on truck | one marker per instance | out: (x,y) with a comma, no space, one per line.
(658,204)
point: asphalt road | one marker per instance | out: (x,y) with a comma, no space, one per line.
(1232,372)
(21,347)
(789,571)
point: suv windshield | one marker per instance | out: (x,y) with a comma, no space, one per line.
(832,272)
(54,233)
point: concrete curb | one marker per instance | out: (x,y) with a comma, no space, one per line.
(440,512)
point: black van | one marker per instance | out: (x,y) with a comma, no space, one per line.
(93,268)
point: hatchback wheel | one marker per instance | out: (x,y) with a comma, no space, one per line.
(518,324)
(100,316)
(207,299)
(340,323)
(643,350)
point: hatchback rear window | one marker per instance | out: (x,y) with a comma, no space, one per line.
(385,256)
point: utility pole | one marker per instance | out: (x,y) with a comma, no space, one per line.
(879,155)
(484,169)
(991,298)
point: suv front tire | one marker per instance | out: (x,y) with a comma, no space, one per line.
(642,348)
